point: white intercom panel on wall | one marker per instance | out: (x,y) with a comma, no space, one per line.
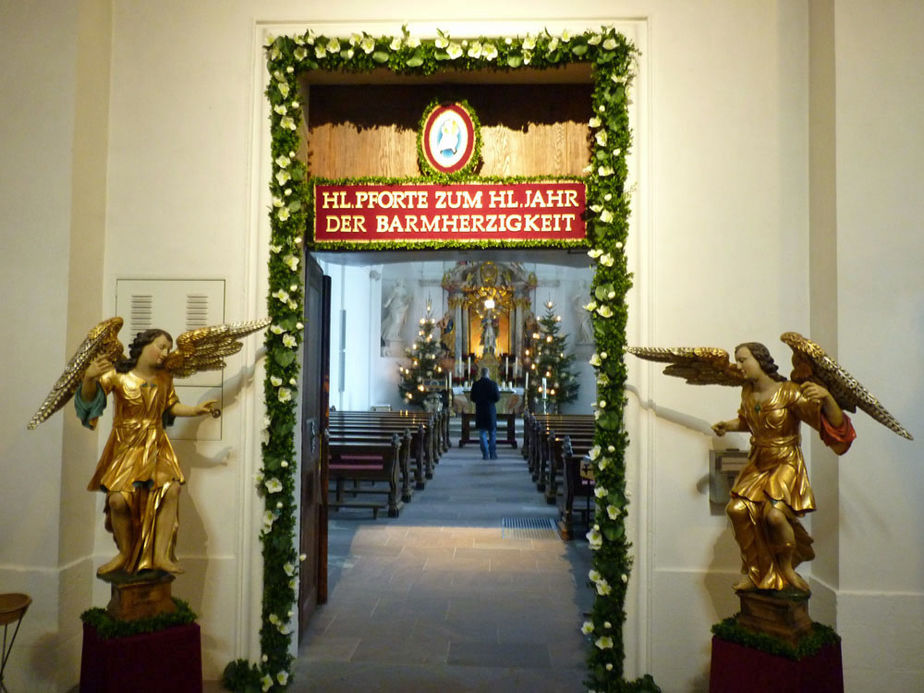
(177,305)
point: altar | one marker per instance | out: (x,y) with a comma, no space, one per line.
(511,401)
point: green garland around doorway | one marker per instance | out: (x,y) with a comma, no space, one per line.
(612,58)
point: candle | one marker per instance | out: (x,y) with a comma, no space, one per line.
(526,386)
(543,388)
(506,369)
(468,369)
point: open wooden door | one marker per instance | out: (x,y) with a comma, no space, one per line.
(312,588)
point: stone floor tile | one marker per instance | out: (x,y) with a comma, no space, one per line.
(443,599)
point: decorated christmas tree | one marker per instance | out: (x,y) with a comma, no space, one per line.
(424,373)
(552,382)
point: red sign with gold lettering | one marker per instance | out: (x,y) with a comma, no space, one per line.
(474,212)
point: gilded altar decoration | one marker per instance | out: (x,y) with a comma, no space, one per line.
(489,307)
(139,471)
(772,492)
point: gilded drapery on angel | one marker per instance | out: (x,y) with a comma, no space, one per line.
(773,492)
(138,469)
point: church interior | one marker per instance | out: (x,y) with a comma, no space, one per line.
(775,152)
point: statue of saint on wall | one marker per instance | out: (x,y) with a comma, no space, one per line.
(489,333)
(584,330)
(394,316)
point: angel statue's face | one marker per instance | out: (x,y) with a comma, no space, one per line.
(154,353)
(748,364)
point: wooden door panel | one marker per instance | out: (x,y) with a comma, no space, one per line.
(315,387)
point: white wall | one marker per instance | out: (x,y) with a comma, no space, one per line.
(727,263)
(351,301)
(880,160)
(720,247)
(54,89)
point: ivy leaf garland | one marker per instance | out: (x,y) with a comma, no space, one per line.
(612,57)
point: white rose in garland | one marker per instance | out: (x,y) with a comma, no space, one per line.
(611,57)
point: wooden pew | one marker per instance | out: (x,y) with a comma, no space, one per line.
(421,444)
(348,436)
(578,483)
(366,461)
(413,450)
(542,429)
(433,439)
(579,442)
(437,420)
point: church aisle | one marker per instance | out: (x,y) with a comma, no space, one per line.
(444,598)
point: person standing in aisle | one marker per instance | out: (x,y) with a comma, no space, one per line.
(485,395)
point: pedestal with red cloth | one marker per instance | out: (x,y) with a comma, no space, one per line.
(738,668)
(743,648)
(167,660)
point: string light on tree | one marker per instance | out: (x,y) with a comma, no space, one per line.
(424,370)
(556,383)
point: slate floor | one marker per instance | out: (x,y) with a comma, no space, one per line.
(445,598)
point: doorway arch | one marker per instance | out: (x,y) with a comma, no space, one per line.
(610,220)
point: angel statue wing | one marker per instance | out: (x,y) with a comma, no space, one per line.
(697,365)
(102,340)
(845,389)
(204,349)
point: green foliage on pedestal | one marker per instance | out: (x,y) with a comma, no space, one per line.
(809,645)
(423,368)
(552,377)
(107,627)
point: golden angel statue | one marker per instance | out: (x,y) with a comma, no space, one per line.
(138,470)
(772,491)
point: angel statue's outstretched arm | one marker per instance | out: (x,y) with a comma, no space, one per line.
(720,428)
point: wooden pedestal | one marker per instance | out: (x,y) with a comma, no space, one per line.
(783,617)
(141,597)
(738,668)
(168,660)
